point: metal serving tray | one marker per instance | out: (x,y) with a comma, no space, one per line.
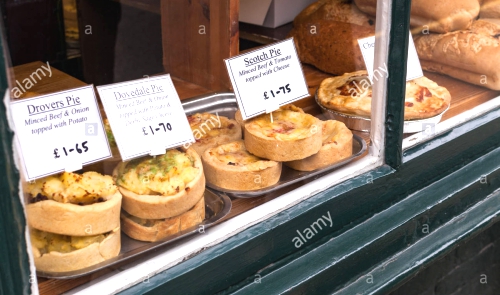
(225,104)
(217,206)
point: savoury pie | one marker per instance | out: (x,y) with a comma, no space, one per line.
(351,93)
(231,166)
(337,145)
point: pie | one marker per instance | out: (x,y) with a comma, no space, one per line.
(351,93)
(231,166)
(61,253)
(74,204)
(151,230)
(162,186)
(291,135)
(211,130)
(337,145)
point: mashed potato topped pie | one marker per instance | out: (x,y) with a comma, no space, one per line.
(231,166)
(162,186)
(70,204)
(60,253)
(292,135)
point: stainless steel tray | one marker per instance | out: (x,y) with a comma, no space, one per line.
(225,104)
(290,176)
(217,206)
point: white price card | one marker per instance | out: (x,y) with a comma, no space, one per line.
(267,78)
(413,67)
(146,116)
(59,131)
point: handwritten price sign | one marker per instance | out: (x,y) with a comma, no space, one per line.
(146,116)
(60,131)
(272,72)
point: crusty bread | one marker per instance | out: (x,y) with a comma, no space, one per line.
(337,145)
(81,258)
(158,206)
(279,147)
(334,10)
(436,16)
(235,175)
(472,55)
(326,36)
(490,9)
(75,220)
(337,55)
(164,228)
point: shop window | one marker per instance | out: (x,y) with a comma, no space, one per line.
(107,42)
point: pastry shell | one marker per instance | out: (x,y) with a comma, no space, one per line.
(330,152)
(159,206)
(168,227)
(81,258)
(273,148)
(75,220)
(253,176)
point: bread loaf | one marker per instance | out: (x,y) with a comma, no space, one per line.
(470,55)
(490,9)
(436,16)
(326,34)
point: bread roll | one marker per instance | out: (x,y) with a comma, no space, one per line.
(436,16)
(472,55)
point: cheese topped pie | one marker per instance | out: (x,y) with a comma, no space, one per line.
(211,130)
(337,145)
(231,166)
(291,135)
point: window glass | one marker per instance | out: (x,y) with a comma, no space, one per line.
(94,214)
(457,44)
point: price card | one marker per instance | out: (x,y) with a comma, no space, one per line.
(267,78)
(413,69)
(146,116)
(59,131)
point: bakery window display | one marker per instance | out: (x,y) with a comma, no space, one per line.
(74,220)
(231,166)
(161,194)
